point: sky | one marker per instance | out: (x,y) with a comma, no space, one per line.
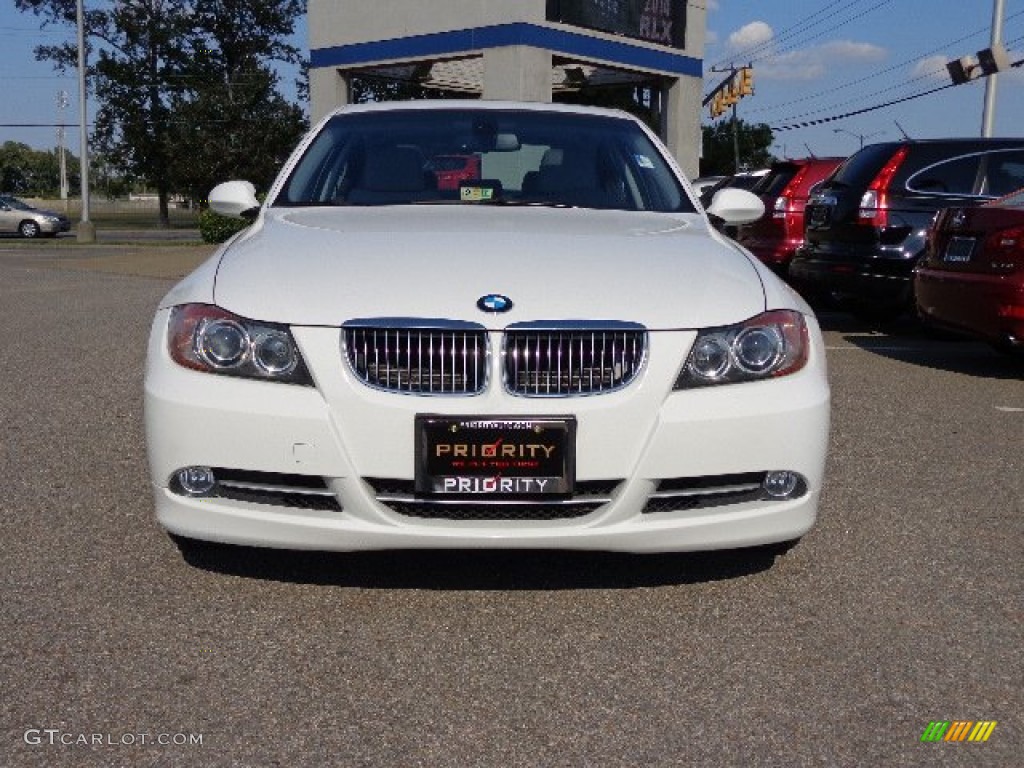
(814,61)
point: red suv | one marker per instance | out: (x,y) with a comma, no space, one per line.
(775,237)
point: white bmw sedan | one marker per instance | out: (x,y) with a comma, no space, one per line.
(484,324)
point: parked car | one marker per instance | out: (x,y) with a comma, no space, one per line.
(784,190)
(21,218)
(702,183)
(741,180)
(378,363)
(971,279)
(866,225)
(451,170)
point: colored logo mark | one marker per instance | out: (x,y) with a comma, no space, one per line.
(958,730)
(494,302)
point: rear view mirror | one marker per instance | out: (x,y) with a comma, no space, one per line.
(236,199)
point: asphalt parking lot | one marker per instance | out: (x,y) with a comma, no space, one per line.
(902,607)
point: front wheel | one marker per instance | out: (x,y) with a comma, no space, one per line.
(29,228)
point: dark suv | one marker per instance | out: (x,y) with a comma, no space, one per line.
(866,224)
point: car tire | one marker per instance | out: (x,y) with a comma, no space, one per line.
(29,229)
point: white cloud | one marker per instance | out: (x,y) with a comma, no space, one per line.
(753,34)
(849,51)
(711,5)
(817,61)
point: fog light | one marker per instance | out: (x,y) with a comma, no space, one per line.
(782,485)
(196,481)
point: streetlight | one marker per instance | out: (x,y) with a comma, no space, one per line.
(86,229)
(860,136)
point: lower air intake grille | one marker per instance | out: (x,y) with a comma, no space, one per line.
(450,359)
(276,489)
(399,496)
(558,360)
(684,493)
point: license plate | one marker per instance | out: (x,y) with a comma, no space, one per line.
(959,249)
(817,216)
(503,457)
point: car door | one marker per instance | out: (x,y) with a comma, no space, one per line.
(8,217)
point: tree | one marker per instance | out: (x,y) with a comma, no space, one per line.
(230,120)
(719,156)
(154,58)
(33,172)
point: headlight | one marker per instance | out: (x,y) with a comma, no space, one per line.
(52,219)
(767,346)
(207,338)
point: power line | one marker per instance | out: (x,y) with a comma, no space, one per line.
(785,34)
(768,48)
(917,57)
(824,32)
(833,118)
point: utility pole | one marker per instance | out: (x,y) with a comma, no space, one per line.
(737,85)
(988,118)
(62,104)
(86,229)
(735,139)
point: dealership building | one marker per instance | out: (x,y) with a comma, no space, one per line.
(528,50)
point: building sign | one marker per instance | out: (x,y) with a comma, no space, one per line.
(654,21)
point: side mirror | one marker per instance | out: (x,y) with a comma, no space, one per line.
(736,206)
(236,199)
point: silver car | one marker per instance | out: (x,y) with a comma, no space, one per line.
(17,216)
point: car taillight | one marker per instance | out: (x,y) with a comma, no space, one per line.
(874,204)
(784,202)
(1005,249)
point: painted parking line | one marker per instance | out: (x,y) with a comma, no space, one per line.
(1009,409)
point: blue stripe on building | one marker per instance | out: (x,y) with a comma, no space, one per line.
(500,35)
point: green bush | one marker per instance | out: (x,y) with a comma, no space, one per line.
(216,228)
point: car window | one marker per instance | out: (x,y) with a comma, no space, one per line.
(861,167)
(1015,200)
(772,184)
(15,204)
(1003,172)
(953,177)
(402,157)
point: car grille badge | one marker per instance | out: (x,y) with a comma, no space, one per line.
(494,303)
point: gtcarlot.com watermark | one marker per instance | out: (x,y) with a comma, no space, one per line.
(55,737)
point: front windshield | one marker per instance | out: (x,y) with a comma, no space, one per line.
(489,156)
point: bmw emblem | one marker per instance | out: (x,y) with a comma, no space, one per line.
(494,302)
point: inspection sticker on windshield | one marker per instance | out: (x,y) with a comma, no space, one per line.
(643,161)
(476,194)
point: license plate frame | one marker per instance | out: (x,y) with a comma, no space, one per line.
(959,250)
(496,457)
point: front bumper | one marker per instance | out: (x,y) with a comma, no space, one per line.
(351,436)
(49,227)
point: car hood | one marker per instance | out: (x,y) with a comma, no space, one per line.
(320,266)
